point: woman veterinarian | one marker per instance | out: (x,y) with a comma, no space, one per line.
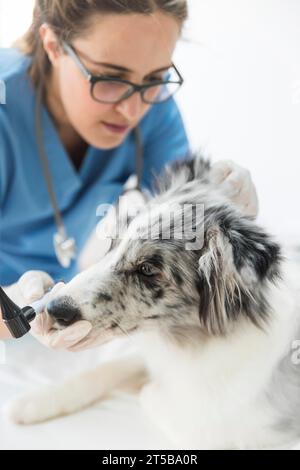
(78,85)
(87,126)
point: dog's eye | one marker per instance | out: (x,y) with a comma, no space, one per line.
(147,270)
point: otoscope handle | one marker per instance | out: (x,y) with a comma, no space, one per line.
(16,319)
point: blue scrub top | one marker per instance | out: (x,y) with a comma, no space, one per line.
(26,214)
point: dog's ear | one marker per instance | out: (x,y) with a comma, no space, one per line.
(235,265)
(176,174)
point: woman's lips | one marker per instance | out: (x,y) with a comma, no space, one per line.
(115,128)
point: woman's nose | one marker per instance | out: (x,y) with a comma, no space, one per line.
(131,108)
(64,310)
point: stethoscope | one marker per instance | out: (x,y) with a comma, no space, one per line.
(16,319)
(65,246)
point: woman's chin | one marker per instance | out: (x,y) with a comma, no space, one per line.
(106,142)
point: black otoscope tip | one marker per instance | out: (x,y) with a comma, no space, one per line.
(16,319)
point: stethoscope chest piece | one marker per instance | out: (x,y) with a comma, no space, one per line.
(65,249)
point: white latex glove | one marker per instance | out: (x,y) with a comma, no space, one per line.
(32,286)
(236,183)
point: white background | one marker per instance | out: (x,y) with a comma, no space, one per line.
(242,94)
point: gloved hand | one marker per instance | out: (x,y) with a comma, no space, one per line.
(31,287)
(236,183)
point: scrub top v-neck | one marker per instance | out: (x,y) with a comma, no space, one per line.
(26,215)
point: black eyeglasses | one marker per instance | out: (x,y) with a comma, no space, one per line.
(106,89)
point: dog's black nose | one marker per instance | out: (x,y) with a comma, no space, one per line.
(64,310)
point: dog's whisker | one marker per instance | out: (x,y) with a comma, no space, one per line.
(124,331)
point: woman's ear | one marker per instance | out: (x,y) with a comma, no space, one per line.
(237,261)
(50,44)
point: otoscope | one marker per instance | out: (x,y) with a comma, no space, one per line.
(17,319)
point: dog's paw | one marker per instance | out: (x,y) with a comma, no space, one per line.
(32,408)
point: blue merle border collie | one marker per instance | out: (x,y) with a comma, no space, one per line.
(214,325)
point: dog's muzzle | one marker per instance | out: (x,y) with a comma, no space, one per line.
(64,310)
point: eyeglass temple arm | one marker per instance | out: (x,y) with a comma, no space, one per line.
(72,54)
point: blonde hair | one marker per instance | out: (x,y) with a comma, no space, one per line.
(69,18)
